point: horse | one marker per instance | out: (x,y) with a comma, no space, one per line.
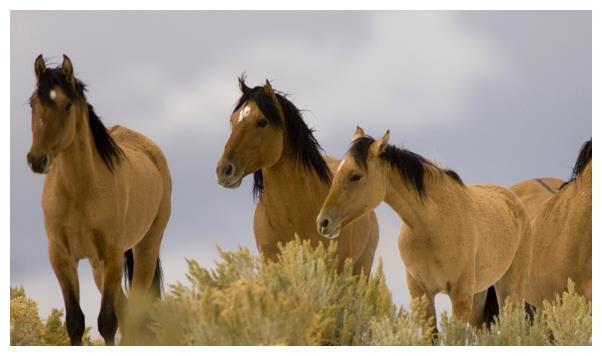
(457,239)
(533,193)
(270,140)
(562,236)
(106,197)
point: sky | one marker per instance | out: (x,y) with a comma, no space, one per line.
(498,96)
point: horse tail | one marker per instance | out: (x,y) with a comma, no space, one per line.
(128,271)
(156,289)
(157,286)
(492,308)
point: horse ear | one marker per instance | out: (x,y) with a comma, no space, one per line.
(359,133)
(242,85)
(379,146)
(67,69)
(267,88)
(39,66)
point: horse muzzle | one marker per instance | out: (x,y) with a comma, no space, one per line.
(328,227)
(38,163)
(229,175)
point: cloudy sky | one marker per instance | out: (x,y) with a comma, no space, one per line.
(498,96)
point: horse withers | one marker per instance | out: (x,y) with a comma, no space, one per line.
(107,195)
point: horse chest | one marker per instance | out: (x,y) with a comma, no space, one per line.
(433,265)
(80,228)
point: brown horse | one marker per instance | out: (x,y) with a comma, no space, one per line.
(457,239)
(533,193)
(107,194)
(562,235)
(270,140)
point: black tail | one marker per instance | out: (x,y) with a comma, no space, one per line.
(492,308)
(128,271)
(157,286)
(156,290)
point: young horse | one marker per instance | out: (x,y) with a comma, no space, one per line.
(457,239)
(270,140)
(107,193)
(533,193)
(562,236)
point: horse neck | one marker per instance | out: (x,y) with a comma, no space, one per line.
(76,164)
(291,186)
(424,215)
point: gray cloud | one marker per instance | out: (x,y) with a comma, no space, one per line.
(498,96)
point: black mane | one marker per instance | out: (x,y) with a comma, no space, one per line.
(584,157)
(301,138)
(108,149)
(410,165)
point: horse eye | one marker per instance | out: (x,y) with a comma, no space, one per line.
(68,106)
(355,177)
(262,123)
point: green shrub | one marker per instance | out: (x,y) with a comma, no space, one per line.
(300,300)
(303,299)
(569,318)
(27,329)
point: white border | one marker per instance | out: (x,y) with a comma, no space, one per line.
(259,5)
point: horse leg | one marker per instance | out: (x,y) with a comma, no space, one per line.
(65,269)
(417,291)
(462,295)
(477,316)
(111,305)
(366,259)
(121,301)
(143,292)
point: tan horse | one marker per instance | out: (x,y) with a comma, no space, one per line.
(457,239)
(270,140)
(106,193)
(562,235)
(533,193)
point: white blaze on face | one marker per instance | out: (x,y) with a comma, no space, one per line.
(341,165)
(52,94)
(244,113)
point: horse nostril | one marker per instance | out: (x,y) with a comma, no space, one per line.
(324,223)
(228,170)
(43,160)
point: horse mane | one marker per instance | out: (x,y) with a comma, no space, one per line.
(410,165)
(107,148)
(306,149)
(584,157)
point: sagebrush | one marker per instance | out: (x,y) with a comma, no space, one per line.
(304,300)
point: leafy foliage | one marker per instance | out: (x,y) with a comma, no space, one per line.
(569,318)
(26,327)
(303,299)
